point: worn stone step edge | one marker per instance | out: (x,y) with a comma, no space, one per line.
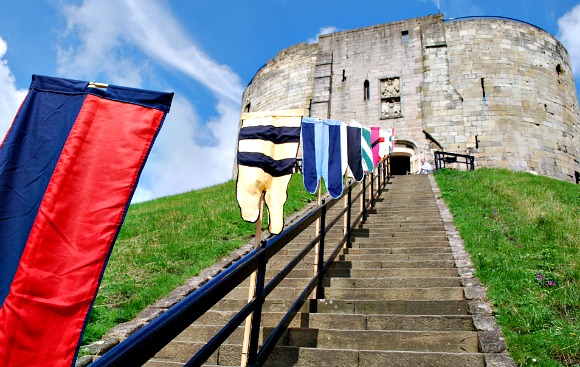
(392,307)
(350,321)
(378,273)
(229,355)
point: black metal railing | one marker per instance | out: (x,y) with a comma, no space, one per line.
(445,159)
(148,341)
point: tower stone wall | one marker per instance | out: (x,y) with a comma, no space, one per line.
(498,89)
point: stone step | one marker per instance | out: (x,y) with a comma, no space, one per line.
(177,353)
(428,220)
(379,273)
(400,250)
(389,243)
(426,217)
(269,319)
(320,357)
(269,305)
(283,293)
(394,307)
(429,294)
(420,341)
(415,207)
(370,257)
(419,359)
(282,356)
(394,282)
(370,251)
(365,252)
(388,264)
(351,321)
(395,257)
(425,281)
(388,229)
(389,322)
(402,237)
(387,239)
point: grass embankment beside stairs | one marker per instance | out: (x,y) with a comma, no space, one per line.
(523,234)
(164,242)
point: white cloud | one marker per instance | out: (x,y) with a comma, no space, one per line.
(10,96)
(107,48)
(177,164)
(323,31)
(569,35)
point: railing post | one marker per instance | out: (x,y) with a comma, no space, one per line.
(364,199)
(320,260)
(373,190)
(384,169)
(257,314)
(380,173)
(348,217)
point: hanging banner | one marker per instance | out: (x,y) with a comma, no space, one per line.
(387,142)
(354,148)
(367,151)
(324,154)
(375,141)
(267,148)
(68,168)
(390,139)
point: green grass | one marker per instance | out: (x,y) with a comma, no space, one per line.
(164,242)
(523,234)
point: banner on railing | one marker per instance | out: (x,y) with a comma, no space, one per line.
(267,147)
(68,169)
(354,148)
(268,143)
(387,142)
(324,154)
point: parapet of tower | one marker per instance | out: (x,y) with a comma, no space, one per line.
(499,89)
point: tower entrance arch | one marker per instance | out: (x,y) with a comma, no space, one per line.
(403,160)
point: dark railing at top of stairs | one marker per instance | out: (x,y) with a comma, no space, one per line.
(442,159)
(146,342)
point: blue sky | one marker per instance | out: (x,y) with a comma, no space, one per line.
(206,51)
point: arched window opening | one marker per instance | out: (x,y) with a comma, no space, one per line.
(367,90)
(405,37)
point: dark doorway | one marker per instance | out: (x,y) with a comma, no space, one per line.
(400,165)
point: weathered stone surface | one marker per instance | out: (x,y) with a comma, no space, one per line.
(499,360)
(500,90)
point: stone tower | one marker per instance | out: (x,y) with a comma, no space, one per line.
(498,89)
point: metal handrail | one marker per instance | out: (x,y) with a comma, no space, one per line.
(444,158)
(138,348)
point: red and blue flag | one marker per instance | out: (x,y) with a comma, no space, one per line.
(69,166)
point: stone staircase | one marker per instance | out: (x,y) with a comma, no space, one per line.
(394,299)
